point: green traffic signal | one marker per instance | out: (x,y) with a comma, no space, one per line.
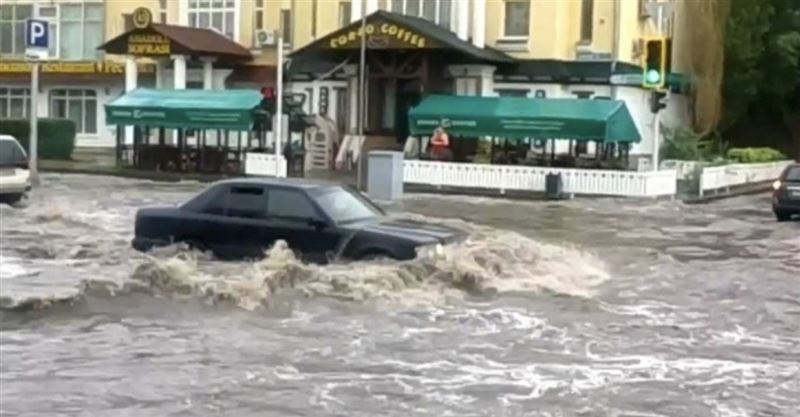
(654,63)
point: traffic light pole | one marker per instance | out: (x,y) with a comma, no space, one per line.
(657,121)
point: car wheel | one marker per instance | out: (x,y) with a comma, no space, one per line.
(11,199)
(782,216)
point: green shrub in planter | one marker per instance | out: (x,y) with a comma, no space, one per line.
(56,136)
(755,155)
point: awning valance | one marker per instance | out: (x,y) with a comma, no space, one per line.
(518,117)
(188,109)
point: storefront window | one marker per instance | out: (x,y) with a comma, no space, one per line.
(12,28)
(219,15)
(517,18)
(80,29)
(80,106)
(14,102)
(437,11)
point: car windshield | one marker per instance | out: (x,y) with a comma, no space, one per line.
(793,174)
(346,206)
(11,154)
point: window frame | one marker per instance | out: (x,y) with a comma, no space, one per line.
(390,6)
(53,96)
(345,13)
(6,95)
(504,21)
(586,34)
(207,8)
(14,21)
(85,54)
(320,214)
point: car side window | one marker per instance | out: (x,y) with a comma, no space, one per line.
(247,202)
(290,203)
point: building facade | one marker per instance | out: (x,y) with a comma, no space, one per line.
(567,48)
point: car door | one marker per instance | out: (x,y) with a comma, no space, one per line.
(294,218)
(241,229)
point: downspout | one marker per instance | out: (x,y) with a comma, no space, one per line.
(615,46)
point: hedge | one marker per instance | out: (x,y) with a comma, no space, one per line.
(755,155)
(56,136)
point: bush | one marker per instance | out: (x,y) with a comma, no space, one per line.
(681,144)
(755,155)
(56,136)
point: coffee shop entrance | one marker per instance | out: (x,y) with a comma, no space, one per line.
(406,58)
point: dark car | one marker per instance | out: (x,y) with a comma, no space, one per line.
(786,197)
(242,218)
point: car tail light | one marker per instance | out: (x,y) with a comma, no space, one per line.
(776,185)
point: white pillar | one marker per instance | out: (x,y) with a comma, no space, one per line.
(208,73)
(355,9)
(479,23)
(161,68)
(131,73)
(372,6)
(179,71)
(462,19)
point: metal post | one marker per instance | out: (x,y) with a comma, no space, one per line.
(657,122)
(279,106)
(33,137)
(361,94)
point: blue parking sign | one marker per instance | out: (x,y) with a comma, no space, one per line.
(37,34)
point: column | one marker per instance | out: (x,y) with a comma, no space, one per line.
(161,68)
(179,70)
(462,19)
(208,73)
(355,9)
(479,23)
(131,73)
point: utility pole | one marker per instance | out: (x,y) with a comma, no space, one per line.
(362,95)
(33,137)
(657,122)
(279,106)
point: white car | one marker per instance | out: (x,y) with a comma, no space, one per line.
(15,179)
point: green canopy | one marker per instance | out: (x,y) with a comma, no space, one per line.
(189,109)
(519,117)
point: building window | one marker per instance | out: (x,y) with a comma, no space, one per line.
(128,19)
(259,15)
(12,28)
(437,11)
(587,23)
(286,26)
(14,102)
(80,106)
(219,15)
(162,7)
(512,92)
(344,13)
(517,18)
(80,30)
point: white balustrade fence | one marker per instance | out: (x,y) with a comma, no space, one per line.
(724,177)
(263,164)
(507,177)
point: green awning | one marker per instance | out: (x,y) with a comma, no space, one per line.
(189,109)
(519,117)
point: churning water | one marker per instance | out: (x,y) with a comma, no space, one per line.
(581,308)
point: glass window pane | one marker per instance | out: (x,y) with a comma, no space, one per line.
(71,44)
(216,21)
(18,91)
(517,18)
(71,12)
(3,91)
(204,4)
(17,108)
(429,10)
(23,12)
(246,202)
(445,9)
(229,25)
(162,4)
(6,38)
(285,203)
(91,116)
(193,19)
(412,7)
(92,38)
(49,11)
(259,3)
(260,19)
(74,111)
(59,109)
(203,20)
(230,4)
(397,6)
(6,12)
(94,12)
(3,107)
(53,48)
(192,4)
(19,38)
(217,4)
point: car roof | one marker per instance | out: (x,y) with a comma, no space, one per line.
(8,137)
(299,183)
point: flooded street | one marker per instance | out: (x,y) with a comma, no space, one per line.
(601,307)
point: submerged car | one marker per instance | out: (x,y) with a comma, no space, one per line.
(786,194)
(242,218)
(15,179)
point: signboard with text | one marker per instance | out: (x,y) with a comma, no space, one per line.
(381,35)
(72,67)
(37,38)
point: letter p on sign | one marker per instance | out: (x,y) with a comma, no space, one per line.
(36,34)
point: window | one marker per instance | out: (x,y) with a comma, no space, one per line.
(128,19)
(14,103)
(218,15)
(437,11)
(344,206)
(517,18)
(344,13)
(50,14)
(80,106)
(286,26)
(162,6)
(792,174)
(289,203)
(581,94)
(80,30)
(11,153)
(587,24)
(259,14)
(12,28)
(512,92)
(247,202)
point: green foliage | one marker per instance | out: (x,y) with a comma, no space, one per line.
(56,136)
(685,145)
(755,155)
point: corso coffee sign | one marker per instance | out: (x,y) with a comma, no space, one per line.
(381,36)
(149,44)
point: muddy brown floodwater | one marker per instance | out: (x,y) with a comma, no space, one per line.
(599,307)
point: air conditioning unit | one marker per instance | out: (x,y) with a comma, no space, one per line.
(265,38)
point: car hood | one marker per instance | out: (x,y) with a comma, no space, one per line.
(419,232)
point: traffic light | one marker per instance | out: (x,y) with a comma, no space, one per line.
(655,63)
(657,101)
